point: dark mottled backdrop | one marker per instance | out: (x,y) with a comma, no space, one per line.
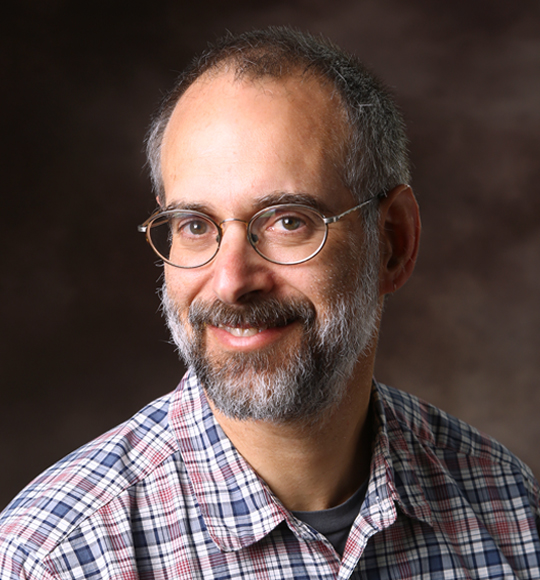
(83,346)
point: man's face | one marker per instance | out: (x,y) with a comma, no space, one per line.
(268,341)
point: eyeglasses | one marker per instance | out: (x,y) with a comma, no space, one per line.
(285,234)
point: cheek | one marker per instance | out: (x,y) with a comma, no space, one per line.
(326,283)
(183,286)
(339,268)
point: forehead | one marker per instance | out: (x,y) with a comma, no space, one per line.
(250,138)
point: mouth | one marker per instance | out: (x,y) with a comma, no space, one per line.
(252,325)
(243,332)
(249,335)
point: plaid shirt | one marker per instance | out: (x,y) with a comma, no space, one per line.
(167,496)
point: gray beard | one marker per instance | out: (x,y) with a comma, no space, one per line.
(280,384)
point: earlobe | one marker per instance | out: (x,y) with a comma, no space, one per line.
(399,227)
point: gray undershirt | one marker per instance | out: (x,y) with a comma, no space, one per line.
(335,523)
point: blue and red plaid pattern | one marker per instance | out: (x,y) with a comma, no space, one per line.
(167,496)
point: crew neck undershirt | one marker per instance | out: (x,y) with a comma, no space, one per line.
(335,523)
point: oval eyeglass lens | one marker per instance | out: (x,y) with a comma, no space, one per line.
(288,234)
(184,239)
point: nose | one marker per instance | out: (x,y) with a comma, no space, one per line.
(238,271)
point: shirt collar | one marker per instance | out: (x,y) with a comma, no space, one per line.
(394,464)
(237,507)
(392,483)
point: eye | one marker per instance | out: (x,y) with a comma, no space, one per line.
(191,227)
(195,227)
(287,220)
(290,222)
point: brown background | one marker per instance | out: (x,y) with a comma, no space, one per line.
(83,346)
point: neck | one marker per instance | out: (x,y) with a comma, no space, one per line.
(316,465)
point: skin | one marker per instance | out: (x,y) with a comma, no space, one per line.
(230,148)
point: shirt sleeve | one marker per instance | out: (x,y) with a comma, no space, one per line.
(16,563)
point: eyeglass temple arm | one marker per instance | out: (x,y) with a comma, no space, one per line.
(334,219)
(143,228)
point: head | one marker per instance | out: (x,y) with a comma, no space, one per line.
(372,155)
(273,115)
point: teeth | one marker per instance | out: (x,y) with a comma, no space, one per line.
(241,332)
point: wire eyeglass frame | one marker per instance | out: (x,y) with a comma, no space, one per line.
(146,228)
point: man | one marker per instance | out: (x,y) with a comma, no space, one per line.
(284,220)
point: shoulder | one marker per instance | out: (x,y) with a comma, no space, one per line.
(82,483)
(462,449)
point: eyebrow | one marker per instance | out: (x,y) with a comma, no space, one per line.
(274,198)
(279,197)
(188,206)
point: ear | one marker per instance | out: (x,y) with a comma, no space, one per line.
(399,230)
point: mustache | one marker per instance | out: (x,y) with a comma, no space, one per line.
(270,312)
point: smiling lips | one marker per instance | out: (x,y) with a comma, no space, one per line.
(256,323)
(243,332)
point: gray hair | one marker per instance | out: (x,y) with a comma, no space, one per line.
(373,159)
